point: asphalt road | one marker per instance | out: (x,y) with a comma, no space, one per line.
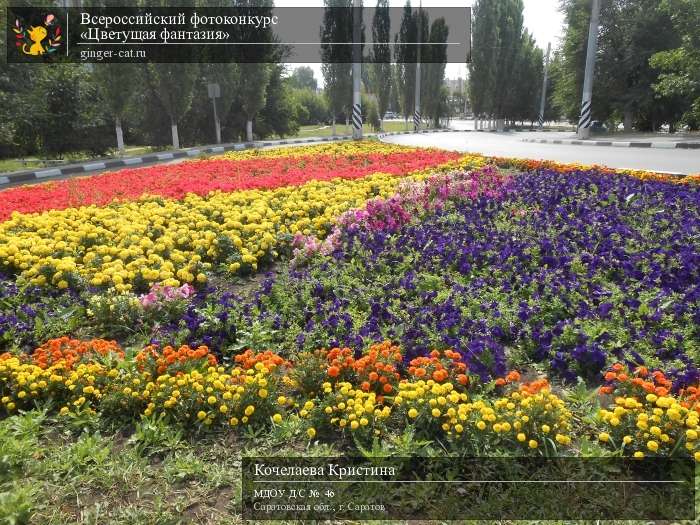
(511,145)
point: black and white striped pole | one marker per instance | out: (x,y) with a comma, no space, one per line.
(416,112)
(356,69)
(543,99)
(584,123)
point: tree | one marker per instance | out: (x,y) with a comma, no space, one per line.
(482,73)
(336,67)
(380,71)
(256,69)
(65,112)
(173,84)
(279,116)
(524,95)
(631,32)
(510,28)
(435,98)
(313,107)
(115,83)
(252,90)
(680,67)
(406,58)
(303,78)
(507,67)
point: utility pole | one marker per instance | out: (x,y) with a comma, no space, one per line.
(543,100)
(356,69)
(416,113)
(584,123)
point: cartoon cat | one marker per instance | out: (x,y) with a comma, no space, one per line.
(36,35)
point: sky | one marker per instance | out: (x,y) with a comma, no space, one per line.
(542,19)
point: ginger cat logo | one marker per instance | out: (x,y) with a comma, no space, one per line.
(40,39)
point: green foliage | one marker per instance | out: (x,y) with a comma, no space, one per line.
(371,113)
(405,79)
(433,93)
(17,503)
(631,33)
(336,67)
(173,84)
(154,436)
(303,78)
(312,107)
(380,70)
(280,115)
(507,67)
(680,67)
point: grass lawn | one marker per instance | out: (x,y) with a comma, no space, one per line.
(342,129)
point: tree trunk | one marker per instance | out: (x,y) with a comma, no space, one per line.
(333,126)
(628,121)
(249,130)
(381,125)
(120,135)
(176,138)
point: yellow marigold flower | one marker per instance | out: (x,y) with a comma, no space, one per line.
(691,435)
(413,413)
(481,425)
(436,412)
(354,425)
(201,415)
(311,432)
(653,446)
(562,439)
(223,409)
(277,418)
(627,440)
(211,400)
(604,437)
(249,410)
(532,443)
(521,437)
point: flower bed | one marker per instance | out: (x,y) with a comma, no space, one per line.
(371,396)
(573,269)
(485,285)
(250,172)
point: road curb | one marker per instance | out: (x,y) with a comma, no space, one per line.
(91,166)
(130,162)
(617,144)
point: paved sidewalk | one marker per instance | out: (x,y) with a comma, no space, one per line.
(92,166)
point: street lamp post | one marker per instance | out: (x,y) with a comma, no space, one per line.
(584,123)
(356,69)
